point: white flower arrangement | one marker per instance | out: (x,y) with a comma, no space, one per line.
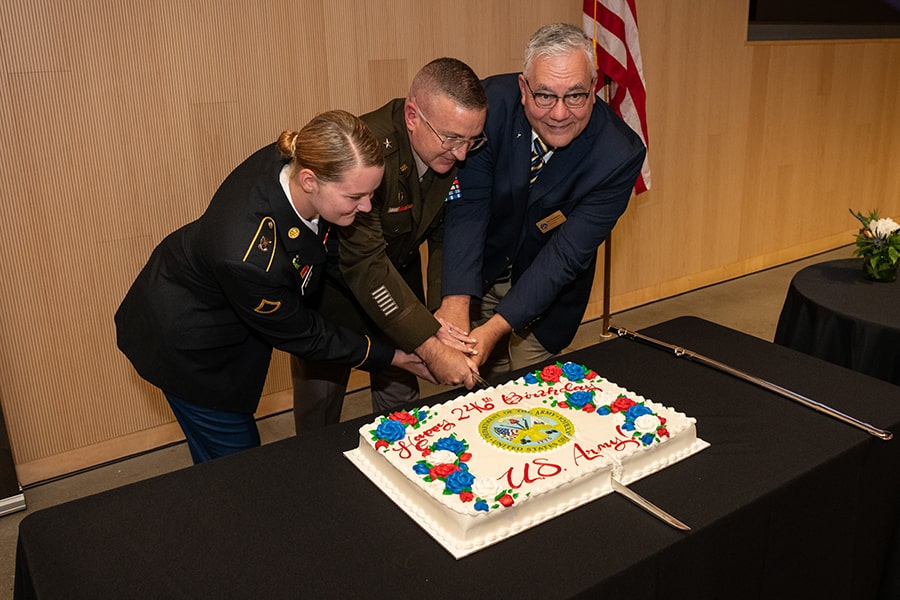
(878,243)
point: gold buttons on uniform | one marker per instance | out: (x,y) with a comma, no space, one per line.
(293,233)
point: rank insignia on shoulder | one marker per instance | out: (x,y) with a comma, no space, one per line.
(387,143)
(267,307)
(258,252)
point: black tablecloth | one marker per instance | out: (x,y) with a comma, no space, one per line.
(785,503)
(833,313)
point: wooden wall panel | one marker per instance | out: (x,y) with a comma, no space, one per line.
(119,120)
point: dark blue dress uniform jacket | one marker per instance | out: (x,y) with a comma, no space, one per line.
(220,293)
(496,221)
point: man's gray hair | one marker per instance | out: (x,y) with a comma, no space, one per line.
(557,39)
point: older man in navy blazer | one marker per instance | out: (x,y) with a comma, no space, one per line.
(537,201)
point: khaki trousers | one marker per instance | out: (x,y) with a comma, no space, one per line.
(519,350)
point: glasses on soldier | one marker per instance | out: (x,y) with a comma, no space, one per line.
(452,142)
(546,101)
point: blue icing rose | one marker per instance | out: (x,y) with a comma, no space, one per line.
(420,468)
(638,410)
(449,443)
(579,399)
(573,371)
(391,430)
(603,411)
(457,481)
(481,505)
(628,425)
(530,378)
(647,439)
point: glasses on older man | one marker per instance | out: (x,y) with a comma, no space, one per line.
(546,101)
(452,142)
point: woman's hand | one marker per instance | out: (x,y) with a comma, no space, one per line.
(455,338)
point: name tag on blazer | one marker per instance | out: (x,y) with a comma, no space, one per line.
(551,222)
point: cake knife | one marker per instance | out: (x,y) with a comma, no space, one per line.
(651,508)
(480,383)
(647,505)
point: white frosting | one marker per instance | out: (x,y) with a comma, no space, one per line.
(541,481)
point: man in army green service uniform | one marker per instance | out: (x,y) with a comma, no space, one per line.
(374,277)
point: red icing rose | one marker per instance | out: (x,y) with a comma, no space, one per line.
(381,444)
(506,500)
(563,405)
(465,457)
(441,471)
(662,432)
(466,496)
(661,419)
(551,374)
(621,404)
(404,417)
(592,374)
(588,408)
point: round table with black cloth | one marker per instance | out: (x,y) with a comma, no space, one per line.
(832,312)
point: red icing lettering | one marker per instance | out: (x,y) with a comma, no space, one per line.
(402,448)
(460,415)
(421,440)
(585,386)
(543,470)
(617,444)
(486,406)
(546,470)
(511,398)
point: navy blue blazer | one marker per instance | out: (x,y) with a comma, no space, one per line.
(497,220)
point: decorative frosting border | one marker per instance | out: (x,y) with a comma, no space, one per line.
(392,428)
(635,418)
(446,461)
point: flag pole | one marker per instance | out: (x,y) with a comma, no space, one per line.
(607,261)
(607,243)
(620,31)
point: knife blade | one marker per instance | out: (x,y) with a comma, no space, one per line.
(647,505)
(480,383)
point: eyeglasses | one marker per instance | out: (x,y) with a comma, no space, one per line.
(452,142)
(546,101)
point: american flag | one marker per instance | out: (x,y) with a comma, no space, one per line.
(612,24)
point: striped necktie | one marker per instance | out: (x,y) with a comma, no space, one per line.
(538,150)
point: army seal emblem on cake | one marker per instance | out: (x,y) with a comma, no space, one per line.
(520,430)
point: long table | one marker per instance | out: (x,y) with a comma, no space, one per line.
(786,502)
